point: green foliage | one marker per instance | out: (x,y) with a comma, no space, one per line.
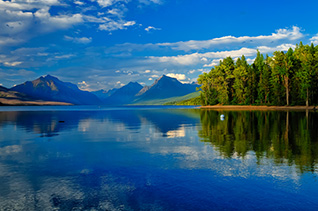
(286,78)
(241,76)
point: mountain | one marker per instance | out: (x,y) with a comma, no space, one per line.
(3,89)
(164,87)
(124,95)
(50,88)
(8,97)
(103,95)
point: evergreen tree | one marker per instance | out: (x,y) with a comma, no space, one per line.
(289,78)
(241,75)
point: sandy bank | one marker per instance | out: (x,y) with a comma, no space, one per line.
(14,102)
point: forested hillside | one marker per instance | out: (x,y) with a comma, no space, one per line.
(286,78)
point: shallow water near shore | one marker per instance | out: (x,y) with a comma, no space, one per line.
(157,158)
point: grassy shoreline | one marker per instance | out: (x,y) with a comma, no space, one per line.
(252,107)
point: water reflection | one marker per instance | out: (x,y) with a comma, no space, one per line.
(79,160)
(168,122)
(286,137)
(154,160)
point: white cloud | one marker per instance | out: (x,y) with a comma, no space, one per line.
(250,61)
(81,40)
(213,63)
(196,58)
(27,5)
(149,28)
(120,84)
(12,64)
(314,39)
(147,2)
(281,34)
(180,77)
(56,22)
(66,56)
(9,40)
(107,3)
(112,25)
(79,2)
(147,71)
(21,20)
(117,12)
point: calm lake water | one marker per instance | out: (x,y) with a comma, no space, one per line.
(157,158)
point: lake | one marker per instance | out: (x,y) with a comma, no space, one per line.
(157,158)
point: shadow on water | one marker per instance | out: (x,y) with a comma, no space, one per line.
(286,137)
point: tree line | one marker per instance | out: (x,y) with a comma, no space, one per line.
(286,78)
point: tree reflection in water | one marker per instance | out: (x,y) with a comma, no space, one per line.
(284,136)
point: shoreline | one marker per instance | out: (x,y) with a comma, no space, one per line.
(15,102)
(255,108)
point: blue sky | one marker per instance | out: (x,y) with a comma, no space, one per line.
(102,44)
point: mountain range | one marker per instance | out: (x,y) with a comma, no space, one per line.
(10,97)
(163,88)
(50,89)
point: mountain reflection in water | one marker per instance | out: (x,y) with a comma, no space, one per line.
(157,159)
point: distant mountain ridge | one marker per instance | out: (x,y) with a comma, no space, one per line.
(49,89)
(52,89)
(2,88)
(103,95)
(165,87)
(124,95)
(133,93)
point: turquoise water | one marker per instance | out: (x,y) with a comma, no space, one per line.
(157,158)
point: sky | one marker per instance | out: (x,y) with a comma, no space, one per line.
(104,44)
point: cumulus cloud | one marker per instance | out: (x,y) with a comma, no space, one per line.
(149,28)
(112,25)
(120,84)
(213,63)
(81,40)
(227,42)
(107,3)
(12,64)
(196,58)
(147,2)
(180,77)
(51,23)
(23,20)
(79,3)
(65,56)
(85,86)
(314,39)
(281,34)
